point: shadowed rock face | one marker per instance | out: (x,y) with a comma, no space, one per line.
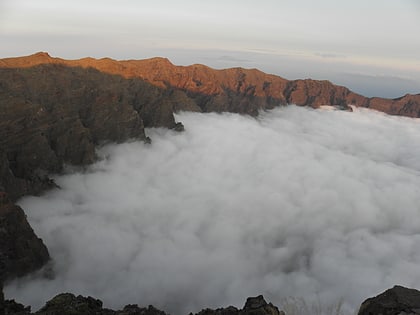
(53,114)
(21,251)
(1,299)
(395,301)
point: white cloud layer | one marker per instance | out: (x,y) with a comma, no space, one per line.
(299,202)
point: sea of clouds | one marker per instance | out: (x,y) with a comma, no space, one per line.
(318,204)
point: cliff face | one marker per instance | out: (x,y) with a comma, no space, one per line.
(21,251)
(54,114)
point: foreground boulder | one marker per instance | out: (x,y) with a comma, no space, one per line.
(398,300)
(67,303)
(21,251)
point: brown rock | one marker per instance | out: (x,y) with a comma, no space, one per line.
(235,90)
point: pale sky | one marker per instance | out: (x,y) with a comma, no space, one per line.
(371,46)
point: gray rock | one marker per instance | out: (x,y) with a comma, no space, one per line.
(396,301)
(21,251)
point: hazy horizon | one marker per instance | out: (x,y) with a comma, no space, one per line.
(369,46)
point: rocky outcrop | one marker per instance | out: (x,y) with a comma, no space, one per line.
(253,306)
(69,304)
(21,251)
(396,301)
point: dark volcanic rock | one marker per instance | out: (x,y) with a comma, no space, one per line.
(69,304)
(133,309)
(12,307)
(1,299)
(21,251)
(258,306)
(395,301)
(253,306)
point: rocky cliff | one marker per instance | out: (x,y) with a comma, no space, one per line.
(54,114)
(21,251)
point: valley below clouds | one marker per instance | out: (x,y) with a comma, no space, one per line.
(318,204)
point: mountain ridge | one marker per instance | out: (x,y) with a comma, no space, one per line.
(202,79)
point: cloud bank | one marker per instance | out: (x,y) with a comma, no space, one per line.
(299,202)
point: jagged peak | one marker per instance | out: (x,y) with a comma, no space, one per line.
(43,54)
(162,60)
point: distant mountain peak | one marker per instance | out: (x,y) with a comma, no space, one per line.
(42,54)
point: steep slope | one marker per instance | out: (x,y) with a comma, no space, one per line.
(21,251)
(53,115)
